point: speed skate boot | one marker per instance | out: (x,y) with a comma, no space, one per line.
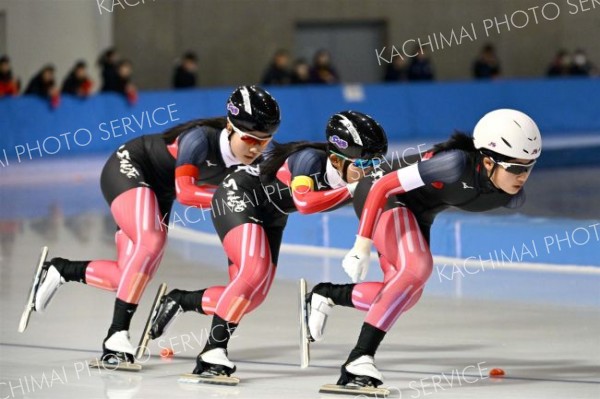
(170,307)
(319,303)
(117,349)
(361,372)
(214,362)
(50,281)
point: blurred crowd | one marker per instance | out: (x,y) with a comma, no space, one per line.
(116,76)
(281,71)
(116,72)
(487,66)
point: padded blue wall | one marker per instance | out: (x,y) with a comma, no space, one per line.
(407,111)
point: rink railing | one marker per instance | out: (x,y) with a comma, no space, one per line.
(198,237)
(560,284)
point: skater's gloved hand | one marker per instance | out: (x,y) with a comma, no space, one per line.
(351,187)
(356,262)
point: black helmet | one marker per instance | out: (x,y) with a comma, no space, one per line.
(251,108)
(356,135)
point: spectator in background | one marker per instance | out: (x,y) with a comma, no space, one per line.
(108,63)
(43,85)
(561,65)
(322,71)
(420,68)
(185,76)
(396,71)
(9,86)
(487,66)
(77,82)
(124,84)
(581,65)
(278,72)
(301,72)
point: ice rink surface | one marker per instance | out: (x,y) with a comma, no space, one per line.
(442,348)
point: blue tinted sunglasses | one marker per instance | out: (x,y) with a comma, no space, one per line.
(360,163)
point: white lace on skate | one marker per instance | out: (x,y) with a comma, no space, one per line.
(364,366)
(217,356)
(119,342)
(320,308)
(48,287)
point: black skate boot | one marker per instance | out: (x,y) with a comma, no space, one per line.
(169,308)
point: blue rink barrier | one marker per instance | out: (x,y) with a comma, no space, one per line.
(490,241)
(409,112)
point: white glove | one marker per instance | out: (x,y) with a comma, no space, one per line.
(351,187)
(356,262)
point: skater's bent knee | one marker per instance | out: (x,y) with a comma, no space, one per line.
(153,243)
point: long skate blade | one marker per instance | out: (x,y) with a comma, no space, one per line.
(208,379)
(30,305)
(146,334)
(304,340)
(352,390)
(122,366)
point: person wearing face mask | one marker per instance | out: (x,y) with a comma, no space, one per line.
(581,65)
(250,212)
(477,174)
(140,181)
(560,66)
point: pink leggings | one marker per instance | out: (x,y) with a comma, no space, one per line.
(251,273)
(406,263)
(140,240)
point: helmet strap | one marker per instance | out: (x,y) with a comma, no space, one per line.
(492,171)
(488,175)
(345,166)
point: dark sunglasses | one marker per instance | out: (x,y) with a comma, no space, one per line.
(515,168)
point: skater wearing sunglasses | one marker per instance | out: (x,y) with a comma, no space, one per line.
(477,174)
(140,181)
(299,176)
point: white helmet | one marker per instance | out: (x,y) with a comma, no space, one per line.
(510,133)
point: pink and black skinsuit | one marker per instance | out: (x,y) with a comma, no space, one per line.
(397,212)
(250,217)
(140,181)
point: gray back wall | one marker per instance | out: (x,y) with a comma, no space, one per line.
(235,39)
